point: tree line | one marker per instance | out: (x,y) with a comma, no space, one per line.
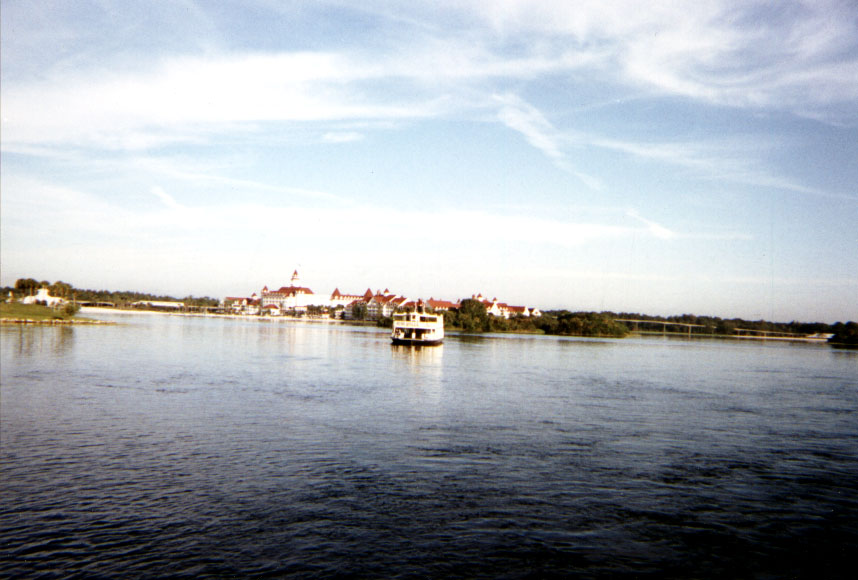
(716,325)
(29,286)
(471,316)
(845,334)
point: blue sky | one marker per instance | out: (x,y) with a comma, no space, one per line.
(695,157)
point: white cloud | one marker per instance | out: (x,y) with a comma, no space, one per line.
(184,98)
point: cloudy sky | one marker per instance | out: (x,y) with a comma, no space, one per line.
(695,157)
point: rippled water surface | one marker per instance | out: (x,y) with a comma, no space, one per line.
(167,446)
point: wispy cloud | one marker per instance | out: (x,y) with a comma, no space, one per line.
(166,198)
(793,56)
(530,122)
(657,230)
(735,161)
(742,54)
(708,160)
(527,120)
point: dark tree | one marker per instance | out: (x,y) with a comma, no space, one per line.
(26,285)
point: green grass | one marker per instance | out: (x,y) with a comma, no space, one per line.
(30,312)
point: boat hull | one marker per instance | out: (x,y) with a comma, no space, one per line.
(416,342)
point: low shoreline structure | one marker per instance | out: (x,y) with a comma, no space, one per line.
(813,340)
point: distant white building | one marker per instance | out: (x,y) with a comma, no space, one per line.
(43,297)
(383,305)
(504,310)
(293,297)
(241,304)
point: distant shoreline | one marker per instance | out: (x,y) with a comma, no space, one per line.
(97,309)
(306,320)
(51,322)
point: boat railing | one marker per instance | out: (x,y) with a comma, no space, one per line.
(414,324)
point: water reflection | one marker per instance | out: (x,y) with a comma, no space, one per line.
(37,341)
(418,357)
(424,367)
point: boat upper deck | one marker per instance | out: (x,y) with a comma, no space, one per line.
(417,320)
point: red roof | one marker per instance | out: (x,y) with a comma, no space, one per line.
(441,304)
(338,294)
(291,290)
(382,298)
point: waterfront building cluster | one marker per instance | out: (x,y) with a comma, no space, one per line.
(504,310)
(42,297)
(299,300)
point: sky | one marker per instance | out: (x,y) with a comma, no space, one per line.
(682,157)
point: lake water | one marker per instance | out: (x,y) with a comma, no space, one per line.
(169,446)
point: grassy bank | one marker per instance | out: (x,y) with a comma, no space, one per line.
(16,312)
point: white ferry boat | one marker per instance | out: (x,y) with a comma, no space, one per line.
(418,327)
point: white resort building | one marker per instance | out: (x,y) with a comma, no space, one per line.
(291,298)
(43,297)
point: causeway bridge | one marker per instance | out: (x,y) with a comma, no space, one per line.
(747,333)
(682,325)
